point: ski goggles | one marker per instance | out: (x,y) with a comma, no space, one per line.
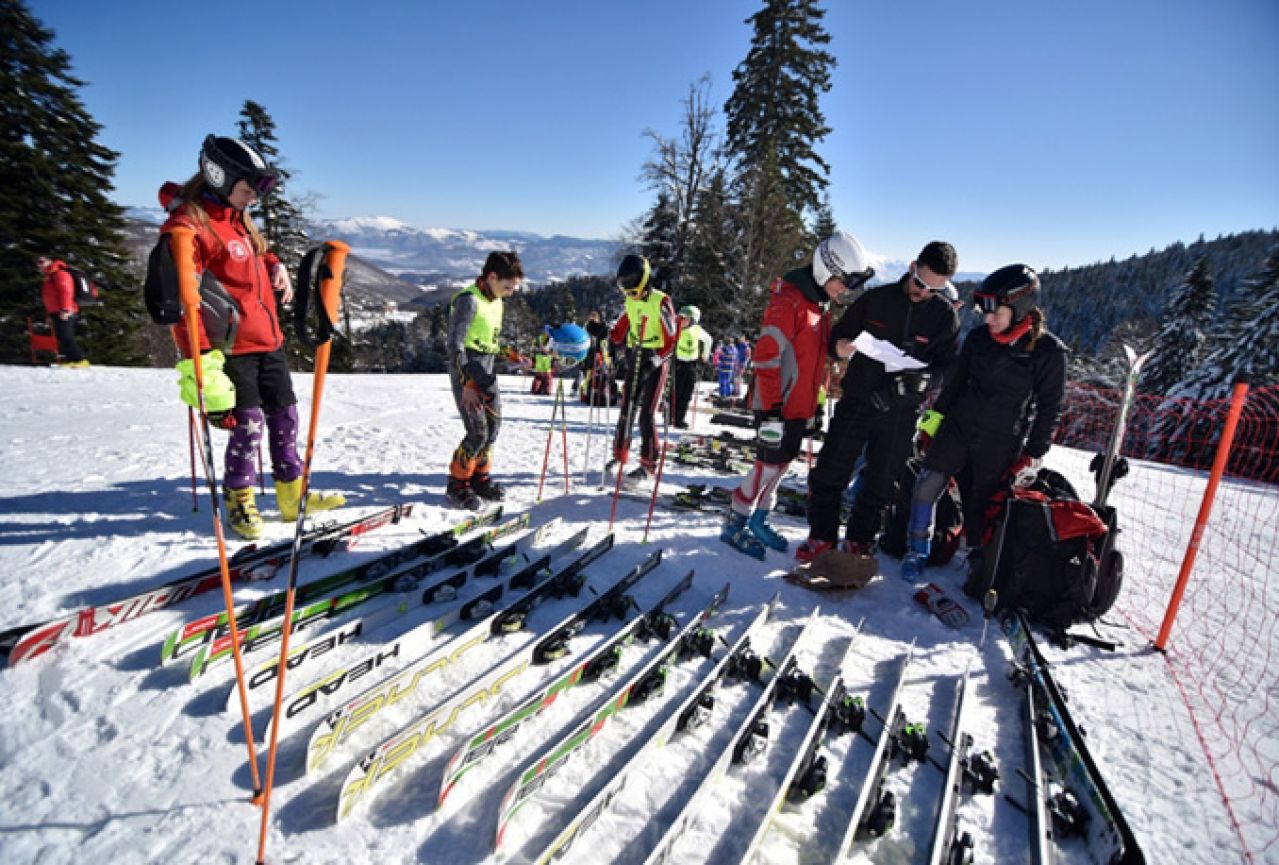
(985,303)
(854,281)
(263,183)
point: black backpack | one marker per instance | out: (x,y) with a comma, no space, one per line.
(948,519)
(219,313)
(1051,556)
(86,291)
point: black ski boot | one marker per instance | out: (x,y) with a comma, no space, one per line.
(461,495)
(486,488)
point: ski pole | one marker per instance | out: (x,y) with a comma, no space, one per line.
(323,265)
(666,431)
(182,245)
(195,500)
(550,432)
(626,418)
(563,429)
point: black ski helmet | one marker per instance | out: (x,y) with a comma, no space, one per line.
(223,161)
(633,274)
(1016,286)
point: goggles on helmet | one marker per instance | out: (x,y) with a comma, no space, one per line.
(854,281)
(263,183)
(985,303)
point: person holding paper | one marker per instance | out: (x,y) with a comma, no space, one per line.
(908,334)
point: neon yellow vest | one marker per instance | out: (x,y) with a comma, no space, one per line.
(637,310)
(542,362)
(482,335)
(689,346)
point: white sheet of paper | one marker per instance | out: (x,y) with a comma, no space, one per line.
(893,359)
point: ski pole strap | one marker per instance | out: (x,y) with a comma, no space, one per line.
(320,273)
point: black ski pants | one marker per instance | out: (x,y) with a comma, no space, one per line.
(685,381)
(980,459)
(64,331)
(886,437)
(642,404)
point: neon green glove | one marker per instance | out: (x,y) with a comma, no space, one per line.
(219,392)
(928,422)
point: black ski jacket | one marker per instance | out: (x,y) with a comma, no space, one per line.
(1007,389)
(927,331)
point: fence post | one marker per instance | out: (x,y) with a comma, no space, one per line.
(1205,508)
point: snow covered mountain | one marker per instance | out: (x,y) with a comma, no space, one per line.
(428,255)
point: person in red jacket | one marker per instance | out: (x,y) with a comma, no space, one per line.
(229,247)
(58,294)
(790,362)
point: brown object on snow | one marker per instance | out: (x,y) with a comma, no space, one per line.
(834,570)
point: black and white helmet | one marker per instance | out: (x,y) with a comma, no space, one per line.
(223,161)
(841,257)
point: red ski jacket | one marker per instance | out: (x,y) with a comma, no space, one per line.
(58,291)
(225,249)
(790,354)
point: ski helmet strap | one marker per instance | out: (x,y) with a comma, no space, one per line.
(320,272)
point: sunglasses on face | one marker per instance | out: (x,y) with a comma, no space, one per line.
(923,286)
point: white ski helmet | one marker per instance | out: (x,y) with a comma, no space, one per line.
(841,257)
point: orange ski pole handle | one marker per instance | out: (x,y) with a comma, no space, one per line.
(330,274)
(182,247)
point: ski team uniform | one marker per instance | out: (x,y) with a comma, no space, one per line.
(877,411)
(656,314)
(790,363)
(694,347)
(475,322)
(58,294)
(256,363)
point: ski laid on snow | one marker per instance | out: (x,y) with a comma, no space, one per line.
(748,739)
(266,633)
(948,847)
(31,641)
(645,683)
(691,713)
(599,662)
(1084,806)
(806,756)
(415,643)
(442,546)
(339,725)
(873,802)
(316,652)
(548,645)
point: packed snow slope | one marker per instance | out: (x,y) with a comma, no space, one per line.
(108,756)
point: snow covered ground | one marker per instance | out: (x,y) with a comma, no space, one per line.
(107,756)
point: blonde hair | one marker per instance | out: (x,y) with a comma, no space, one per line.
(193,194)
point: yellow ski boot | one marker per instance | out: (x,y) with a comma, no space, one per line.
(242,513)
(289,493)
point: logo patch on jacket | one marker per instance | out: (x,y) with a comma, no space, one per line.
(238,250)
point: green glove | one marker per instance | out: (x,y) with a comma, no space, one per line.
(219,392)
(928,423)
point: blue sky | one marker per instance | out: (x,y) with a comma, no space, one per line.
(1048,132)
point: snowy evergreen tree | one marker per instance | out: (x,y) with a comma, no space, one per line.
(1249,348)
(710,281)
(1180,344)
(279,219)
(824,223)
(774,125)
(55,179)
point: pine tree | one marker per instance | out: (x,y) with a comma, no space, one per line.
(54,181)
(1248,349)
(774,126)
(710,281)
(824,223)
(281,224)
(1180,345)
